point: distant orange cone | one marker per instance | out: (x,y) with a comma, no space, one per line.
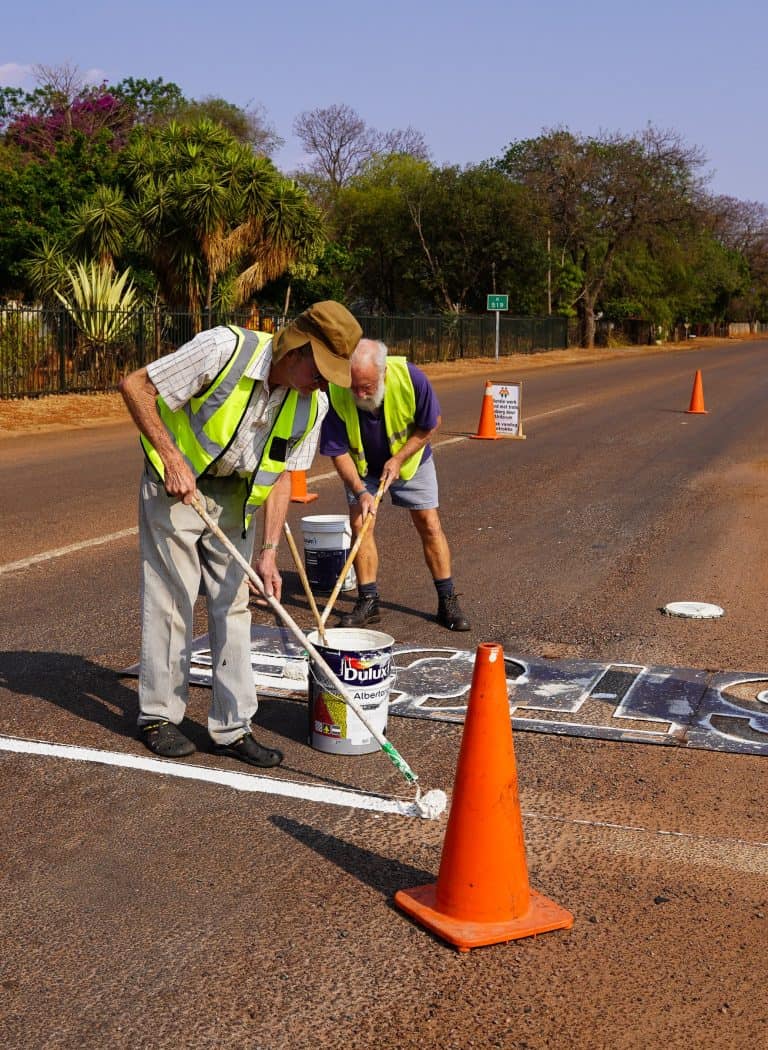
(486,428)
(299,492)
(697,396)
(482,894)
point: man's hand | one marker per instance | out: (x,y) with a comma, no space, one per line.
(179,480)
(391,470)
(266,568)
(367,505)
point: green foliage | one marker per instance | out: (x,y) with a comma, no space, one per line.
(607,200)
(99,302)
(433,238)
(37,197)
(152,101)
(216,221)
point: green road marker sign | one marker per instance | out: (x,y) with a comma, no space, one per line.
(498,302)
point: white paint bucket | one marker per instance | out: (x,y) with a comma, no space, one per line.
(362,661)
(326,547)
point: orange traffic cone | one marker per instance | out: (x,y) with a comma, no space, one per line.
(482,895)
(486,428)
(697,396)
(299,492)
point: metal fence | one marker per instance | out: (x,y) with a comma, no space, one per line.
(450,337)
(43,352)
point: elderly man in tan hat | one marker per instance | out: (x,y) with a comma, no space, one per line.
(227,414)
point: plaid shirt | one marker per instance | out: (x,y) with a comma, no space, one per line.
(181,375)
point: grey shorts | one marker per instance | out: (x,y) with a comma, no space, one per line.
(419,493)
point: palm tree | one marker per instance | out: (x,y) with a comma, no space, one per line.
(212,215)
(99,226)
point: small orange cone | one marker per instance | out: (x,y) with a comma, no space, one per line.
(299,492)
(697,396)
(482,895)
(486,428)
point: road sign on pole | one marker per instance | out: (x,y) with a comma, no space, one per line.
(497,303)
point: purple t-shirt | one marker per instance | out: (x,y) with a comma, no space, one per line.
(333,436)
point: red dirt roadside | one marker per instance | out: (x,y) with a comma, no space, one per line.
(56,412)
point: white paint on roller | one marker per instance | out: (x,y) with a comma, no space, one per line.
(238,781)
(433,804)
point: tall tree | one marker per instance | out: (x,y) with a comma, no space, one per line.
(213,216)
(339,143)
(427,237)
(605,196)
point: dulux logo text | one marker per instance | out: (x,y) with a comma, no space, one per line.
(361,671)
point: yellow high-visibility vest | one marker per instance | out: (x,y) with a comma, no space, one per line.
(204,428)
(399,413)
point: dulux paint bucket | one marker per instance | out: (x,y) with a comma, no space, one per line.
(326,547)
(362,661)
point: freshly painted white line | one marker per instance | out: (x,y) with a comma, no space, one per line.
(24,563)
(238,781)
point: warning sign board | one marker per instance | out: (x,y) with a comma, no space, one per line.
(507,409)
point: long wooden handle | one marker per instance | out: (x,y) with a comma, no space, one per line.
(305,583)
(352,555)
(198,502)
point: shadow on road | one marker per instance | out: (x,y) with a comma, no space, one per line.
(74,684)
(295,601)
(382,874)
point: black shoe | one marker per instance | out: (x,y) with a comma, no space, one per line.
(166,739)
(366,610)
(449,614)
(249,750)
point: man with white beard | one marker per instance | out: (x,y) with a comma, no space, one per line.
(378,431)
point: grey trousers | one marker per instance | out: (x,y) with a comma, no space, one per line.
(178,552)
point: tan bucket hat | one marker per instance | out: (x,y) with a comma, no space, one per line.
(331,331)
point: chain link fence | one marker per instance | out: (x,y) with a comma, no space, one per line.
(43,352)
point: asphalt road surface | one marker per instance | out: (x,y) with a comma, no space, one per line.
(139,910)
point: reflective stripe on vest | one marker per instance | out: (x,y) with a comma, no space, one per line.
(399,412)
(204,428)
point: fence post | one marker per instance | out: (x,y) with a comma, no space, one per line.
(140,337)
(61,349)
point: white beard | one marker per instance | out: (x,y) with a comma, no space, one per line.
(372,403)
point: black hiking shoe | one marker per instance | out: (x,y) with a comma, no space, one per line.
(365,611)
(449,614)
(166,739)
(251,751)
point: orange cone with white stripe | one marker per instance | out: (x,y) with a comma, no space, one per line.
(482,895)
(486,428)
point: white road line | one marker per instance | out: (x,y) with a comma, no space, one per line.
(238,781)
(24,563)
(12,566)
(555,411)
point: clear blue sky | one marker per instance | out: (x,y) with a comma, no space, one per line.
(471,76)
